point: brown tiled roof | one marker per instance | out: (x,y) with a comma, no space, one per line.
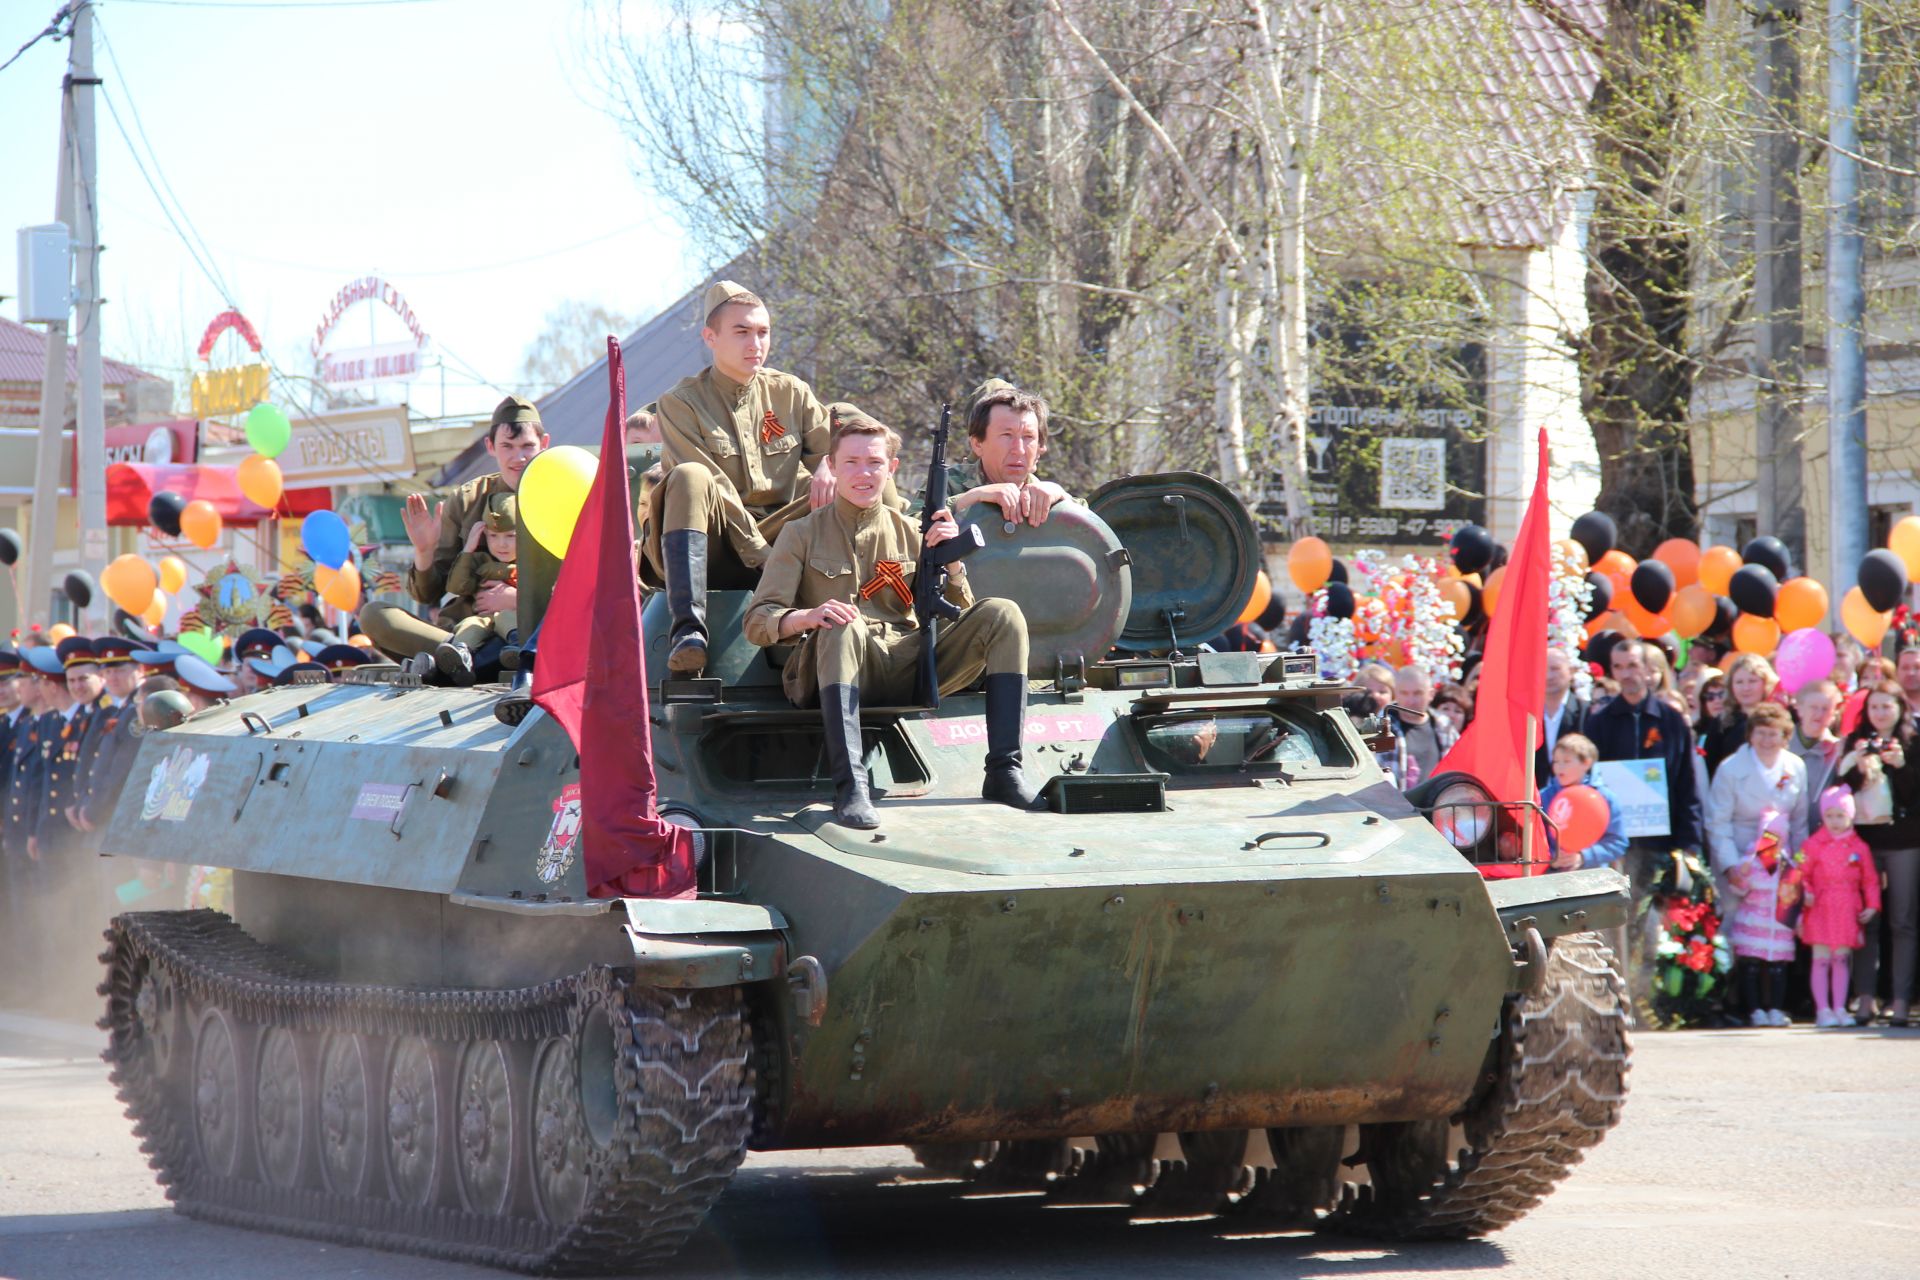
(23,358)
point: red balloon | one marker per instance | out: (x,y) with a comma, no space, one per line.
(1581,815)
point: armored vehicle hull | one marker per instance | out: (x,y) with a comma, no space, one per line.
(1228,967)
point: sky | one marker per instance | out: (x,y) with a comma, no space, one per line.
(456,148)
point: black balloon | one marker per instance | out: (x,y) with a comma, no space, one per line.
(1753,590)
(1273,615)
(1339,600)
(1883,579)
(1769,553)
(1652,584)
(1472,548)
(1476,607)
(1596,532)
(1725,614)
(79,587)
(1602,594)
(1600,648)
(163,512)
(1339,573)
(10,546)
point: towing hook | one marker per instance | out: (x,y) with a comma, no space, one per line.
(1530,970)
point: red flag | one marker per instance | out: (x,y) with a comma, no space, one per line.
(590,674)
(1509,712)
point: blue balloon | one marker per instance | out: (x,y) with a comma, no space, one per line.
(325,537)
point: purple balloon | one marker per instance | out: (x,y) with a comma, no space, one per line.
(1803,657)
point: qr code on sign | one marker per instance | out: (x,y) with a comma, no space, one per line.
(1413,474)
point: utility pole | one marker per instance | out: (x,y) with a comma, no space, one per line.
(1846,304)
(1779,339)
(90,431)
(37,594)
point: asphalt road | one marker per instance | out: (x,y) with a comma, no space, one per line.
(1742,1154)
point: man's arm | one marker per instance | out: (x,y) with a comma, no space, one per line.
(428,585)
(778,594)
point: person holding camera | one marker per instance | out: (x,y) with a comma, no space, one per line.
(1877,764)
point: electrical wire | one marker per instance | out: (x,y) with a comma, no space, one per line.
(53,29)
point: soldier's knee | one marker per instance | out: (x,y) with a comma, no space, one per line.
(1004,614)
(689,481)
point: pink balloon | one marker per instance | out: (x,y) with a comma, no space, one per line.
(1803,657)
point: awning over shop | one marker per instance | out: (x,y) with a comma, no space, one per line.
(131,486)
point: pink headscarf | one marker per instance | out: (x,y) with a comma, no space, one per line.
(1837,798)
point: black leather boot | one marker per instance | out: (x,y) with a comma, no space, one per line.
(1006,720)
(685,552)
(455,663)
(846,757)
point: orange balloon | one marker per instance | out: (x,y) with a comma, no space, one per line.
(1571,555)
(173,574)
(343,589)
(1801,603)
(1615,563)
(1866,624)
(1581,815)
(1755,635)
(1612,620)
(1309,564)
(59,631)
(201,523)
(156,610)
(1681,556)
(1645,622)
(1717,565)
(1904,541)
(130,583)
(1490,594)
(1692,610)
(1459,599)
(1258,601)
(259,478)
(360,641)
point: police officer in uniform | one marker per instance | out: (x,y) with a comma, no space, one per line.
(839,582)
(744,450)
(14,905)
(514,437)
(107,754)
(23,765)
(54,831)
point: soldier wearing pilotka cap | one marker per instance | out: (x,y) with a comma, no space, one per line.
(744,450)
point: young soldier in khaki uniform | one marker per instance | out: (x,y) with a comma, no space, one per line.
(841,581)
(744,451)
(514,437)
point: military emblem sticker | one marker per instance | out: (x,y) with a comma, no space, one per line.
(563,837)
(174,783)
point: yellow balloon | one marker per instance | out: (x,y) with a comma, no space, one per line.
(1904,542)
(259,478)
(343,589)
(156,610)
(173,574)
(129,582)
(59,631)
(553,491)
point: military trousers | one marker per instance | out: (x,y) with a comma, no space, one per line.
(397,633)
(989,638)
(690,497)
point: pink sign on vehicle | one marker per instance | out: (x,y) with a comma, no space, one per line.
(1042,726)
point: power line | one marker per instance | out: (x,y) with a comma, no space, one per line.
(53,29)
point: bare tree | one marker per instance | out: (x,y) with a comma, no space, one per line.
(572,337)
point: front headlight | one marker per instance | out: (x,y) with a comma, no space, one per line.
(681,816)
(1463,812)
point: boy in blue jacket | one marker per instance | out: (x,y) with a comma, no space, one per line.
(1573,759)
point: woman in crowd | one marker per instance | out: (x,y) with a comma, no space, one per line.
(1750,682)
(1761,777)
(1877,764)
(1455,705)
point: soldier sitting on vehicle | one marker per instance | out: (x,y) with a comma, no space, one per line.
(839,581)
(1007,435)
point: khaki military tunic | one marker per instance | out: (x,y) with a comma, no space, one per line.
(868,558)
(755,445)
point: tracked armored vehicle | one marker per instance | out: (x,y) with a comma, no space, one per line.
(1228,968)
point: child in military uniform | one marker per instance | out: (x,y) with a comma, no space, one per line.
(838,585)
(489,556)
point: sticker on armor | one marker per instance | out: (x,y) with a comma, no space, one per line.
(563,837)
(379,801)
(176,780)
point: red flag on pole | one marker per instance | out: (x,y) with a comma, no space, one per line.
(590,674)
(1497,748)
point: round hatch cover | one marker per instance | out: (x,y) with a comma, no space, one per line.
(1195,554)
(1069,576)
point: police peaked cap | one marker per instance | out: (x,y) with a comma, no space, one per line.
(76,651)
(255,640)
(113,651)
(338,657)
(195,672)
(513,410)
(43,660)
(286,677)
(9,663)
(272,663)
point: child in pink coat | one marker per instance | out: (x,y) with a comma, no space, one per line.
(1762,946)
(1841,892)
